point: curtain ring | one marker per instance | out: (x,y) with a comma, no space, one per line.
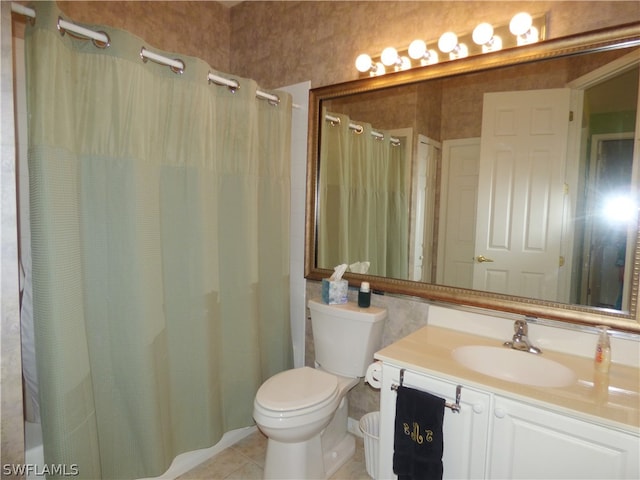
(176,69)
(232,88)
(99,44)
(274,102)
(61,30)
(358,130)
(334,123)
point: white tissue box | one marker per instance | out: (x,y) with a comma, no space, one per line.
(334,292)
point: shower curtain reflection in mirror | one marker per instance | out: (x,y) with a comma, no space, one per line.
(363,210)
(160,248)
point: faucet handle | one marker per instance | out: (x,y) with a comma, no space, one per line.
(520,327)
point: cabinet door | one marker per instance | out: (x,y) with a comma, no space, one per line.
(465,433)
(531,442)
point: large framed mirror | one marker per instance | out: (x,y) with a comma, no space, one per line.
(487,181)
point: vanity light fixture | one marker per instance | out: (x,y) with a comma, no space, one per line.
(448,43)
(523,29)
(483,35)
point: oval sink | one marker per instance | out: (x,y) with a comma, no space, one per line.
(514,366)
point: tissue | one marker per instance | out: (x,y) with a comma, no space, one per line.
(334,288)
(359,267)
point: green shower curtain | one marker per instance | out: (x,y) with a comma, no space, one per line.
(160,238)
(363,197)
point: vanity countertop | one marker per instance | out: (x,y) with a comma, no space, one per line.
(429,351)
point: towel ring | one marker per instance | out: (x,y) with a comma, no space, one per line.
(455,407)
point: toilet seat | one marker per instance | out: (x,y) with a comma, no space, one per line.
(297,391)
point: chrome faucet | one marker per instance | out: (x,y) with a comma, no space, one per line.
(520,339)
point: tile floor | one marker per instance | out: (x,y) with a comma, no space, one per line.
(245,461)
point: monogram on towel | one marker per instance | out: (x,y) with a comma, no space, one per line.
(418,443)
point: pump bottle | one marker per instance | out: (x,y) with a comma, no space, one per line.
(603,351)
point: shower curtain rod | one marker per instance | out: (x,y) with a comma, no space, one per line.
(103,39)
(358,129)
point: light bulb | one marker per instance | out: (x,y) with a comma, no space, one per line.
(405,63)
(379,69)
(520,23)
(482,33)
(363,63)
(389,56)
(417,49)
(447,42)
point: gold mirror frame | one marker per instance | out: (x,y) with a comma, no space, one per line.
(590,42)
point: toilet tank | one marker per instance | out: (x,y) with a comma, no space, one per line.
(346,336)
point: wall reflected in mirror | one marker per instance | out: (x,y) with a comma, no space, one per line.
(494,181)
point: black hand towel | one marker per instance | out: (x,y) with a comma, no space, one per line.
(418,440)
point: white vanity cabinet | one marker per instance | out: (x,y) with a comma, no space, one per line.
(528,441)
(464,433)
(498,437)
(512,429)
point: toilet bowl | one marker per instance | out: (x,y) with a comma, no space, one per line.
(303,411)
(296,404)
(293,409)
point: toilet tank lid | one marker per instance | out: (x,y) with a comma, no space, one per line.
(349,310)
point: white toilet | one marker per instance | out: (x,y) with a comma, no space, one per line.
(303,411)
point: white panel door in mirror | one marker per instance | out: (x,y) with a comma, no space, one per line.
(522,158)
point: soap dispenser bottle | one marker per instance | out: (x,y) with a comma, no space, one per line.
(364,295)
(603,351)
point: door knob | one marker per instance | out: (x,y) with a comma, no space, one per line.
(482,258)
